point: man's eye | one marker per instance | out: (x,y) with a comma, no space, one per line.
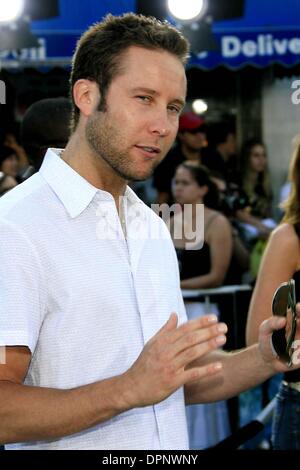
(144,98)
(174,109)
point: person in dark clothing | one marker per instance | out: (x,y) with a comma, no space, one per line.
(204,264)
(46,123)
(8,161)
(191,140)
(220,155)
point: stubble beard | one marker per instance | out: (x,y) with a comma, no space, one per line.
(106,142)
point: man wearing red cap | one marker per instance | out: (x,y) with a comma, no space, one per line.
(190,121)
(191,139)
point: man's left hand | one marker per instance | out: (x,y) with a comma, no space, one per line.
(265,343)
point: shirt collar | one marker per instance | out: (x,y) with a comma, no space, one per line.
(74,191)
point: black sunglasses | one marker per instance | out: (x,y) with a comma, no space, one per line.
(284,305)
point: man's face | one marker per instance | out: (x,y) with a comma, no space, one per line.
(140,120)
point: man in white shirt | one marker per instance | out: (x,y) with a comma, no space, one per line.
(94,356)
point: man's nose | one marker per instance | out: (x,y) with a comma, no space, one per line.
(161,125)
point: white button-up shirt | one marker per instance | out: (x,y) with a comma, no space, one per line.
(85,300)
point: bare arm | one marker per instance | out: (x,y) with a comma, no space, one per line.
(34,413)
(220,243)
(240,369)
(246,368)
(30,413)
(280,261)
(237,375)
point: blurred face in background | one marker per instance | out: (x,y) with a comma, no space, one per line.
(193,140)
(10,165)
(230,144)
(257,159)
(6,184)
(185,189)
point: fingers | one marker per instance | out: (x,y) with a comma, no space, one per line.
(191,354)
(170,325)
(191,340)
(195,339)
(272,324)
(160,368)
(201,335)
(193,325)
(197,373)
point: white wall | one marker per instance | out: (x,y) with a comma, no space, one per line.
(281,122)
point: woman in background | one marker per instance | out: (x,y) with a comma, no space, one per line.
(281,261)
(255,219)
(203,262)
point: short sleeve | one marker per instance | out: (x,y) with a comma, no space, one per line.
(22,288)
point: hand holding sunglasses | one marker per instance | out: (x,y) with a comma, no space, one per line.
(284,305)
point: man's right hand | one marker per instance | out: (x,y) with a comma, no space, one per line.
(162,366)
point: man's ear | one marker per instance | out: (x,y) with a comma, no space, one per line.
(86,96)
